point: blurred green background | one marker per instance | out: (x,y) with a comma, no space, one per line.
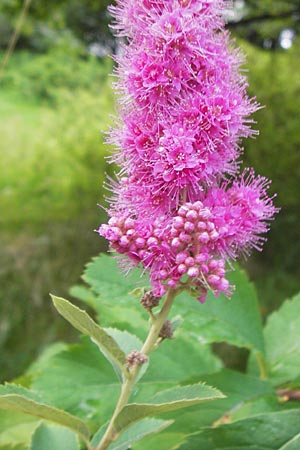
(55,105)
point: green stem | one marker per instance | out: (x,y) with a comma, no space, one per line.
(15,36)
(262,366)
(149,345)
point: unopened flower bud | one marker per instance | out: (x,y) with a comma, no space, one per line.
(184,237)
(189,227)
(182,269)
(176,243)
(178,222)
(193,272)
(191,215)
(167,330)
(124,241)
(189,262)
(203,237)
(149,300)
(136,358)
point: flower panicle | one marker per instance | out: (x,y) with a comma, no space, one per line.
(180,208)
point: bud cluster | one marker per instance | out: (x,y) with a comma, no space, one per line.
(149,301)
(166,331)
(135,358)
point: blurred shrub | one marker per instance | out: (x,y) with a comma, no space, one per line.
(6,31)
(274,80)
(48,23)
(53,169)
(40,76)
(54,158)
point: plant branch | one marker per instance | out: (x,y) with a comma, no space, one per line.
(289,394)
(263,18)
(262,366)
(149,345)
(15,36)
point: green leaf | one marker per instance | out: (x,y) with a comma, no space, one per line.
(282,342)
(106,279)
(179,359)
(10,388)
(14,447)
(84,323)
(139,430)
(130,317)
(84,294)
(38,365)
(273,431)
(165,441)
(128,342)
(81,382)
(16,429)
(240,390)
(133,434)
(50,437)
(293,444)
(169,400)
(25,404)
(112,287)
(236,321)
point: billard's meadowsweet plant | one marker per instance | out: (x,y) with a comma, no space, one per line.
(181,212)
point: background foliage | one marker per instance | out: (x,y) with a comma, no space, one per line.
(55,101)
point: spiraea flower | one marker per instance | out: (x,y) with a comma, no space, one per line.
(179,207)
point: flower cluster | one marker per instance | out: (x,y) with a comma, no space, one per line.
(179,207)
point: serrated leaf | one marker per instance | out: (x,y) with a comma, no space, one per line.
(282,342)
(10,388)
(293,444)
(42,360)
(106,279)
(165,441)
(133,434)
(26,405)
(138,431)
(180,359)
(84,323)
(80,382)
(16,429)
(165,401)
(50,437)
(240,390)
(128,342)
(84,294)
(236,321)
(271,431)
(127,313)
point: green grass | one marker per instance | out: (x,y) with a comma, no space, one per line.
(52,153)
(12,104)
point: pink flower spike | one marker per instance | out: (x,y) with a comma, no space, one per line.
(179,207)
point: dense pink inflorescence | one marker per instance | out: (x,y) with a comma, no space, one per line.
(179,208)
